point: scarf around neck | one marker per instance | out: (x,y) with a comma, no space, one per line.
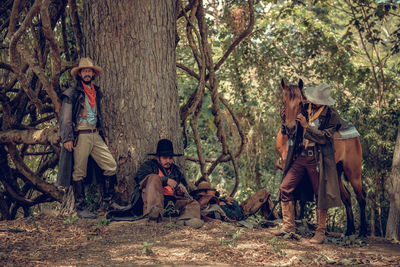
(90,94)
(313,118)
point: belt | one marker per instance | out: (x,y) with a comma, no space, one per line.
(87,131)
(307,152)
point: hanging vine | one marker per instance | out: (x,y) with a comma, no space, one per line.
(194,15)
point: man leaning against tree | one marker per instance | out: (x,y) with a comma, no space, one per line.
(82,135)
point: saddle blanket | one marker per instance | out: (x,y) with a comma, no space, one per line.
(349,131)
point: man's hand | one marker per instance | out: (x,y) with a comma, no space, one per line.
(182,189)
(230,200)
(69,145)
(303,122)
(172,183)
(107,141)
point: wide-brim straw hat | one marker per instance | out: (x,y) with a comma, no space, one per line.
(320,95)
(84,63)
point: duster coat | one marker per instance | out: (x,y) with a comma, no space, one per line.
(328,192)
(73,103)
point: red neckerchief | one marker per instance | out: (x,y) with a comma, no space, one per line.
(90,94)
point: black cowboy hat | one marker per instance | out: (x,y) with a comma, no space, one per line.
(165,148)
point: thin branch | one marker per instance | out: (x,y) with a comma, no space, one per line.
(14,17)
(48,118)
(55,55)
(365,47)
(13,53)
(14,194)
(48,164)
(31,137)
(64,36)
(226,104)
(38,153)
(243,35)
(368,27)
(37,182)
(185,9)
(6,66)
(193,159)
(73,11)
(236,175)
(42,76)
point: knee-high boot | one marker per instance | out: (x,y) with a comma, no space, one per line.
(80,206)
(289,225)
(319,236)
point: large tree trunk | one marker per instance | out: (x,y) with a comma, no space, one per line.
(393,223)
(134,43)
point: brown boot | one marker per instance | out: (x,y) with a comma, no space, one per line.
(289,225)
(319,236)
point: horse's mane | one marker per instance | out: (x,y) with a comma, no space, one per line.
(293,92)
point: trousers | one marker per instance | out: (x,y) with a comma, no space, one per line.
(304,164)
(92,144)
(152,195)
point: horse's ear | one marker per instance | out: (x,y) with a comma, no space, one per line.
(283,84)
(301,84)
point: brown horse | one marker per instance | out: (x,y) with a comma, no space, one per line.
(348,154)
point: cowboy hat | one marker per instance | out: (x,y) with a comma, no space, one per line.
(320,95)
(165,148)
(84,63)
(203,186)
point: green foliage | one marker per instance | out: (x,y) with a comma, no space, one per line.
(277,246)
(147,249)
(231,238)
(71,220)
(92,198)
(102,222)
(170,211)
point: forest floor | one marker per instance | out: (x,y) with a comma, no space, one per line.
(47,240)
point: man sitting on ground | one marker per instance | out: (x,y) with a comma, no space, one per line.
(160,181)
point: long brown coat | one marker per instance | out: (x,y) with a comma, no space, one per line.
(73,100)
(328,193)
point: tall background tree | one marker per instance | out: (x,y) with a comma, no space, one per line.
(393,224)
(134,41)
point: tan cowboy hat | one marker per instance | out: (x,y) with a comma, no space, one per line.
(86,62)
(203,186)
(320,95)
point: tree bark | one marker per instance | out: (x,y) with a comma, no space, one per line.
(134,43)
(393,223)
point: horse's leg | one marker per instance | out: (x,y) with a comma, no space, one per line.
(352,171)
(346,199)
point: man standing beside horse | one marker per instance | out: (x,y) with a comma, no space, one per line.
(310,154)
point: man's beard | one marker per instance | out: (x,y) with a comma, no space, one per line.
(87,83)
(167,166)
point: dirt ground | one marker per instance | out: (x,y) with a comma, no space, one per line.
(48,240)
